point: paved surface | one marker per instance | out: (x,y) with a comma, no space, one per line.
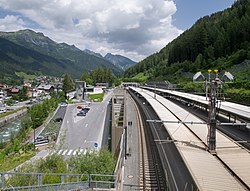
(81,133)
(132,163)
(78,133)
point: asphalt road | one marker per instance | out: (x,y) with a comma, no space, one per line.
(80,133)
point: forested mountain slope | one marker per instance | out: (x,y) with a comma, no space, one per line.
(220,41)
(35,53)
(16,58)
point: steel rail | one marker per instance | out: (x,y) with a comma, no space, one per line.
(151,166)
(219,159)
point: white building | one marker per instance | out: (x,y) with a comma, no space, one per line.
(93,90)
(2,96)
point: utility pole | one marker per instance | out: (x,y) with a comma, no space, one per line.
(213,94)
(211,136)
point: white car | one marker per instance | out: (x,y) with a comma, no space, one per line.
(3,110)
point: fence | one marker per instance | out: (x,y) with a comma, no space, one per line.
(119,170)
(54,181)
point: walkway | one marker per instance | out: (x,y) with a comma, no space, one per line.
(132,163)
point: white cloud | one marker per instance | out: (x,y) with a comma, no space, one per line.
(133,28)
(11,23)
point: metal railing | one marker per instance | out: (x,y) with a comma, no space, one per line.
(54,181)
(119,169)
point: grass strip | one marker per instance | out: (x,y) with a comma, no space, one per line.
(96,97)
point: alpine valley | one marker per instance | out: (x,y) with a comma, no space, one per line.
(33,53)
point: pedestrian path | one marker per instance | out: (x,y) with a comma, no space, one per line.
(69,152)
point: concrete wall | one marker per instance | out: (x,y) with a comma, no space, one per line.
(12,117)
(118,120)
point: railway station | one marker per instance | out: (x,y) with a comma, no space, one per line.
(217,171)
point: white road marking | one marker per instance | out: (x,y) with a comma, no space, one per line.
(59,152)
(80,152)
(70,151)
(64,152)
(53,152)
(85,151)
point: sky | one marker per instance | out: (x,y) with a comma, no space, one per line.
(132,28)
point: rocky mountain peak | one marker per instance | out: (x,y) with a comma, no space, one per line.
(119,61)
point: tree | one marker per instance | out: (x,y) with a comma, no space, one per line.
(198,61)
(99,75)
(23,94)
(101,162)
(87,78)
(68,84)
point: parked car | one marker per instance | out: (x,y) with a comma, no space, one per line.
(41,140)
(81,113)
(39,137)
(63,104)
(3,110)
(86,109)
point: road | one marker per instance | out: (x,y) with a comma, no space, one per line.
(80,133)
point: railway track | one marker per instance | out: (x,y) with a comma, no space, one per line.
(242,137)
(162,167)
(151,170)
(231,136)
(245,144)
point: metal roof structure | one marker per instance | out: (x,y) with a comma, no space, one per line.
(208,170)
(234,108)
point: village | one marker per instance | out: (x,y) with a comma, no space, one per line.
(30,91)
(34,91)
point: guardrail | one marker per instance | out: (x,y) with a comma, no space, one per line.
(54,181)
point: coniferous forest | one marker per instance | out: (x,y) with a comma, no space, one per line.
(217,41)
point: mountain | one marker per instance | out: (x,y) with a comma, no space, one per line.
(27,50)
(16,58)
(93,53)
(218,41)
(120,61)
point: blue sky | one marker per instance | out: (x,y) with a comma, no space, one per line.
(189,11)
(132,28)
